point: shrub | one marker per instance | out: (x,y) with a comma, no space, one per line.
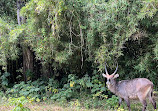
(76,90)
(37,89)
(4,80)
(75,87)
(112,102)
(19,103)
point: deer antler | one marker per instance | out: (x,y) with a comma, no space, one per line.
(106,69)
(115,70)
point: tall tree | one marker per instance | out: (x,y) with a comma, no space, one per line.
(27,53)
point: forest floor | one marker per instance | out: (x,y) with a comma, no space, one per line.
(44,106)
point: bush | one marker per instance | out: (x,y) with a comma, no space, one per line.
(19,103)
(112,102)
(75,91)
(75,87)
(4,80)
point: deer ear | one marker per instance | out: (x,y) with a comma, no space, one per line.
(116,75)
(104,75)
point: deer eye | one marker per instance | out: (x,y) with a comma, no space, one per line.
(110,80)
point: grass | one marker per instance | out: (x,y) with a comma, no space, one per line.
(49,106)
(42,106)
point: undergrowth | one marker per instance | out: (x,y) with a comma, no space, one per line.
(88,92)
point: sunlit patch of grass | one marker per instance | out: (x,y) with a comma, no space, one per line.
(42,106)
(6,108)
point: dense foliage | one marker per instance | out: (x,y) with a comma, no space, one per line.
(60,47)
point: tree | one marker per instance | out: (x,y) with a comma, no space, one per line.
(75,37)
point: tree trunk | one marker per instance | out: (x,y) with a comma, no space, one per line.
(45,71)
(27,62)
(27,53)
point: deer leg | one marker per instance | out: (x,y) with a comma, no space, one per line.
(153,102)
(151,99)
(128,104)
(120,101)
(143,101)
(142,94)
(144,105)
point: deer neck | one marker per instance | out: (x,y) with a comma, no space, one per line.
(113,86)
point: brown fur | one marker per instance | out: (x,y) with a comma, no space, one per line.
(139,88)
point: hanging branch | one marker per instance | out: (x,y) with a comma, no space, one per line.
(70,23)
(18,11)
(82,44)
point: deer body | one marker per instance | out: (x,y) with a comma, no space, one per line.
(138,88)
(131,88)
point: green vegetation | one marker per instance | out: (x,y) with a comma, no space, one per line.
(54,51)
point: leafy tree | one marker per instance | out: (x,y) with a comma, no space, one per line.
(77,37)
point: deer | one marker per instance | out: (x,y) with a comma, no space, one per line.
(138,88)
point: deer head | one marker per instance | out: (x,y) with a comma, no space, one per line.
(110,78)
